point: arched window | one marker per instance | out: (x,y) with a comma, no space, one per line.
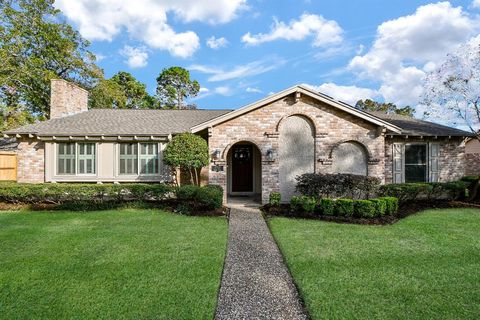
(296,152)
(349,157)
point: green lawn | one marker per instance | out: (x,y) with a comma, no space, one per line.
(426,266)
(126,264)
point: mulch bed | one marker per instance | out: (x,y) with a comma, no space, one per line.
(404,210)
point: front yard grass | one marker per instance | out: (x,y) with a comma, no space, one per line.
(426,266)
(125,264)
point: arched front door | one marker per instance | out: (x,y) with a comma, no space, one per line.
(244,169)
(296,152)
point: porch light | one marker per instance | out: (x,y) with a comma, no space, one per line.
(270,155)
(216,154)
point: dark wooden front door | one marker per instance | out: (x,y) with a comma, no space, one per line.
(242,168)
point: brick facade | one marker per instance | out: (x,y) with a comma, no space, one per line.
(67,99)
(261,127)
(452,164)
(31,161)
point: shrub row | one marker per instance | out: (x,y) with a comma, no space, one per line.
(372,208)
(193,198)
(425,191)
(62,192)
(339,185)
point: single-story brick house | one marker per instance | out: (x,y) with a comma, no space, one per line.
(255,150)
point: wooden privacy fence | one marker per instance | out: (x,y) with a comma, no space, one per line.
(8,166)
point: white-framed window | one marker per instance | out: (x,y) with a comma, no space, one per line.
(66,158)
(128,158)
(76,158)
(86,158)
(138,158)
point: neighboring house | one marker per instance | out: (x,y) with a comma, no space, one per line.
(472,156)
(255,150)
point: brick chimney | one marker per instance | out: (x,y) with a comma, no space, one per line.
(66,99)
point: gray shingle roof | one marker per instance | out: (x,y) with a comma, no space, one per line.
(416,127)
(164,122)
(121,122)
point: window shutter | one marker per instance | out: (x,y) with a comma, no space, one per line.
(433,168)
(398,156)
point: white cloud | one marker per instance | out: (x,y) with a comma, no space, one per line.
(216,43)
(203,90)
(99,57)
(241,71)
(136,57)
(476,3)
(408,46)
(223,90)
(253,90)
(325,32)
(348,94)
(146,20)
(333,52)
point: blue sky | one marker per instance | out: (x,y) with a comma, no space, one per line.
(243,50)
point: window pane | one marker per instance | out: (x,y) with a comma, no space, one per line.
(415,154)
(61,166)
(66,158)
(86,158)
(128,158)
(415,163)
(148,158)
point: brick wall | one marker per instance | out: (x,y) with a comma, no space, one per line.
(67,99)
(332,126)
(451,161)
(31,161)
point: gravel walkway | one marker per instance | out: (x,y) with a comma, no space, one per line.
(256,283)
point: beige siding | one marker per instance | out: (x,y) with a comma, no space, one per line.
(106,167)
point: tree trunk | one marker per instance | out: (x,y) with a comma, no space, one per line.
(191,176)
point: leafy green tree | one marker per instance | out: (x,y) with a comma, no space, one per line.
(36,45)
(189,152)
(388,108)
(136,93)
(14,116)
(122,91)
(174,86)
(107,94)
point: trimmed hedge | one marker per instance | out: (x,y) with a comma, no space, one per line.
(372,208)
(344,207)
(338,185)
(303,204)
(195,198)
(327,206)
(391,205)
(380,206)
(90,196)
(365,209)
(425,191)
(61,193)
